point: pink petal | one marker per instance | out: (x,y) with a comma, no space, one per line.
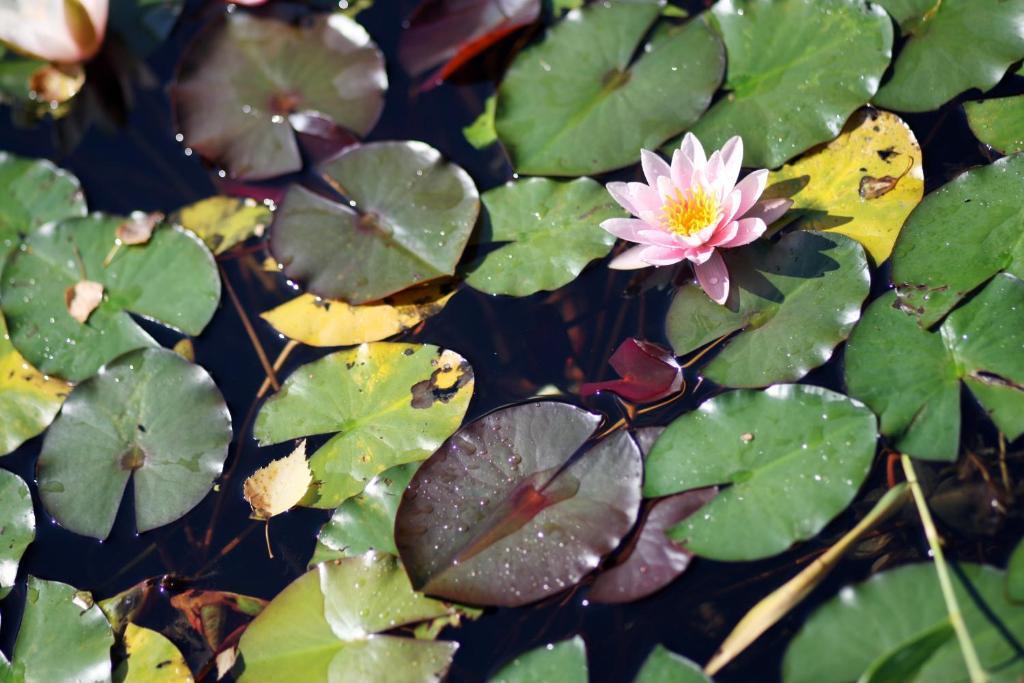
(658,238)
(732,159)
(749,230)
(682,170)
(666,188)
(662,256)
(714,278)
(709,176)
(749,190)
(644,197)
(629,260)
(620,193)
(724,233)
(699,254)
(693,151)
(625,228)
(769,210)
(654,167)
(730,208)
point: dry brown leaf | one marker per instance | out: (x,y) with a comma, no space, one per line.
(138,228)
(82,299)
(279,486)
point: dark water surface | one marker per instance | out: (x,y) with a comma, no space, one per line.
(515,347)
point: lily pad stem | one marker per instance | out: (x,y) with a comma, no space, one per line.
(974,668)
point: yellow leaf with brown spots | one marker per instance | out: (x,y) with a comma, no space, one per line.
(863,184)
(324,322)
(152,658)
(223,222)
(279,486)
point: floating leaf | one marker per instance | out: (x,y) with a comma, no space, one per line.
(797,299)
(664,666)
(867,623)
(367,521)
(172,279)
(223,222)
(565,662)
(151,413)
(593,92)
(954,45)
(17,527)
(248,81)
(327,322)
(911,377)
(652,560)
(959,236)
(206,611)
(63,637)
(151,659)
(863,184)
(795,456)
(456,31)
(504,514)
(1015,574)
(330,625)
(412,215)
(649,373)
(279,486)
(390,404)
(481,133)
(789,95)
(998,122)
(547,231)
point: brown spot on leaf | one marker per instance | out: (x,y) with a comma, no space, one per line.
(139,228)
(82,299)
(132,460)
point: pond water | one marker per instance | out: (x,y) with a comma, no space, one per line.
(516,346)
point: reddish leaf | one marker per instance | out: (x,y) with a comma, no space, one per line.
(206,611)
(456,31)
(648,371)
(652,561)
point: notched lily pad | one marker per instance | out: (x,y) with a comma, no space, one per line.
(250,82)
(150,416)
(171,279)
(408,218)
(791,303)
(386,404)
(998,122)
(507,511)
(565,662)
(17,527)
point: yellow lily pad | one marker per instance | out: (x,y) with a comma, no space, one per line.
(152,658)
(863,184)
(326,322)
(280,485)
(223,222)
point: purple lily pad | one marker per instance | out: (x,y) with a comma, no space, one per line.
(649,373)
(249,83)
(509,510)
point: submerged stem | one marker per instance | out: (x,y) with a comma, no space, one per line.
(974,668)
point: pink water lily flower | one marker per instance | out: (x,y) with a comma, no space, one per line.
(64,31)
(690,210)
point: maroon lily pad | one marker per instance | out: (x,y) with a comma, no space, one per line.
(651,561)
(512,508)
(452,32)
(649,373)
(250,82)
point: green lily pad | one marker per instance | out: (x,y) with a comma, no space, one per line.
(785,96)
(998,122)
(861,628)
(565,662)
(17,527)
(1015,574)
(911,377)
(152,658)
(330,624)
(960,236)
(151,413)
(795,456)
(791,303)
(908,13)
(249,82)
(35,192)
(509,510)
(386,404)
(63,637)
(409,216)
(367,521)
(593,93)
(954,46)
(550,230)
(665,666)
(171,279)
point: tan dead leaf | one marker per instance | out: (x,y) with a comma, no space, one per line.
(82,299)
(279,486)
(139,227)
(226,662)
(186,349)
(56,83)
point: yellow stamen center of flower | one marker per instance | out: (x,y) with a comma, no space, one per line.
(689,213)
